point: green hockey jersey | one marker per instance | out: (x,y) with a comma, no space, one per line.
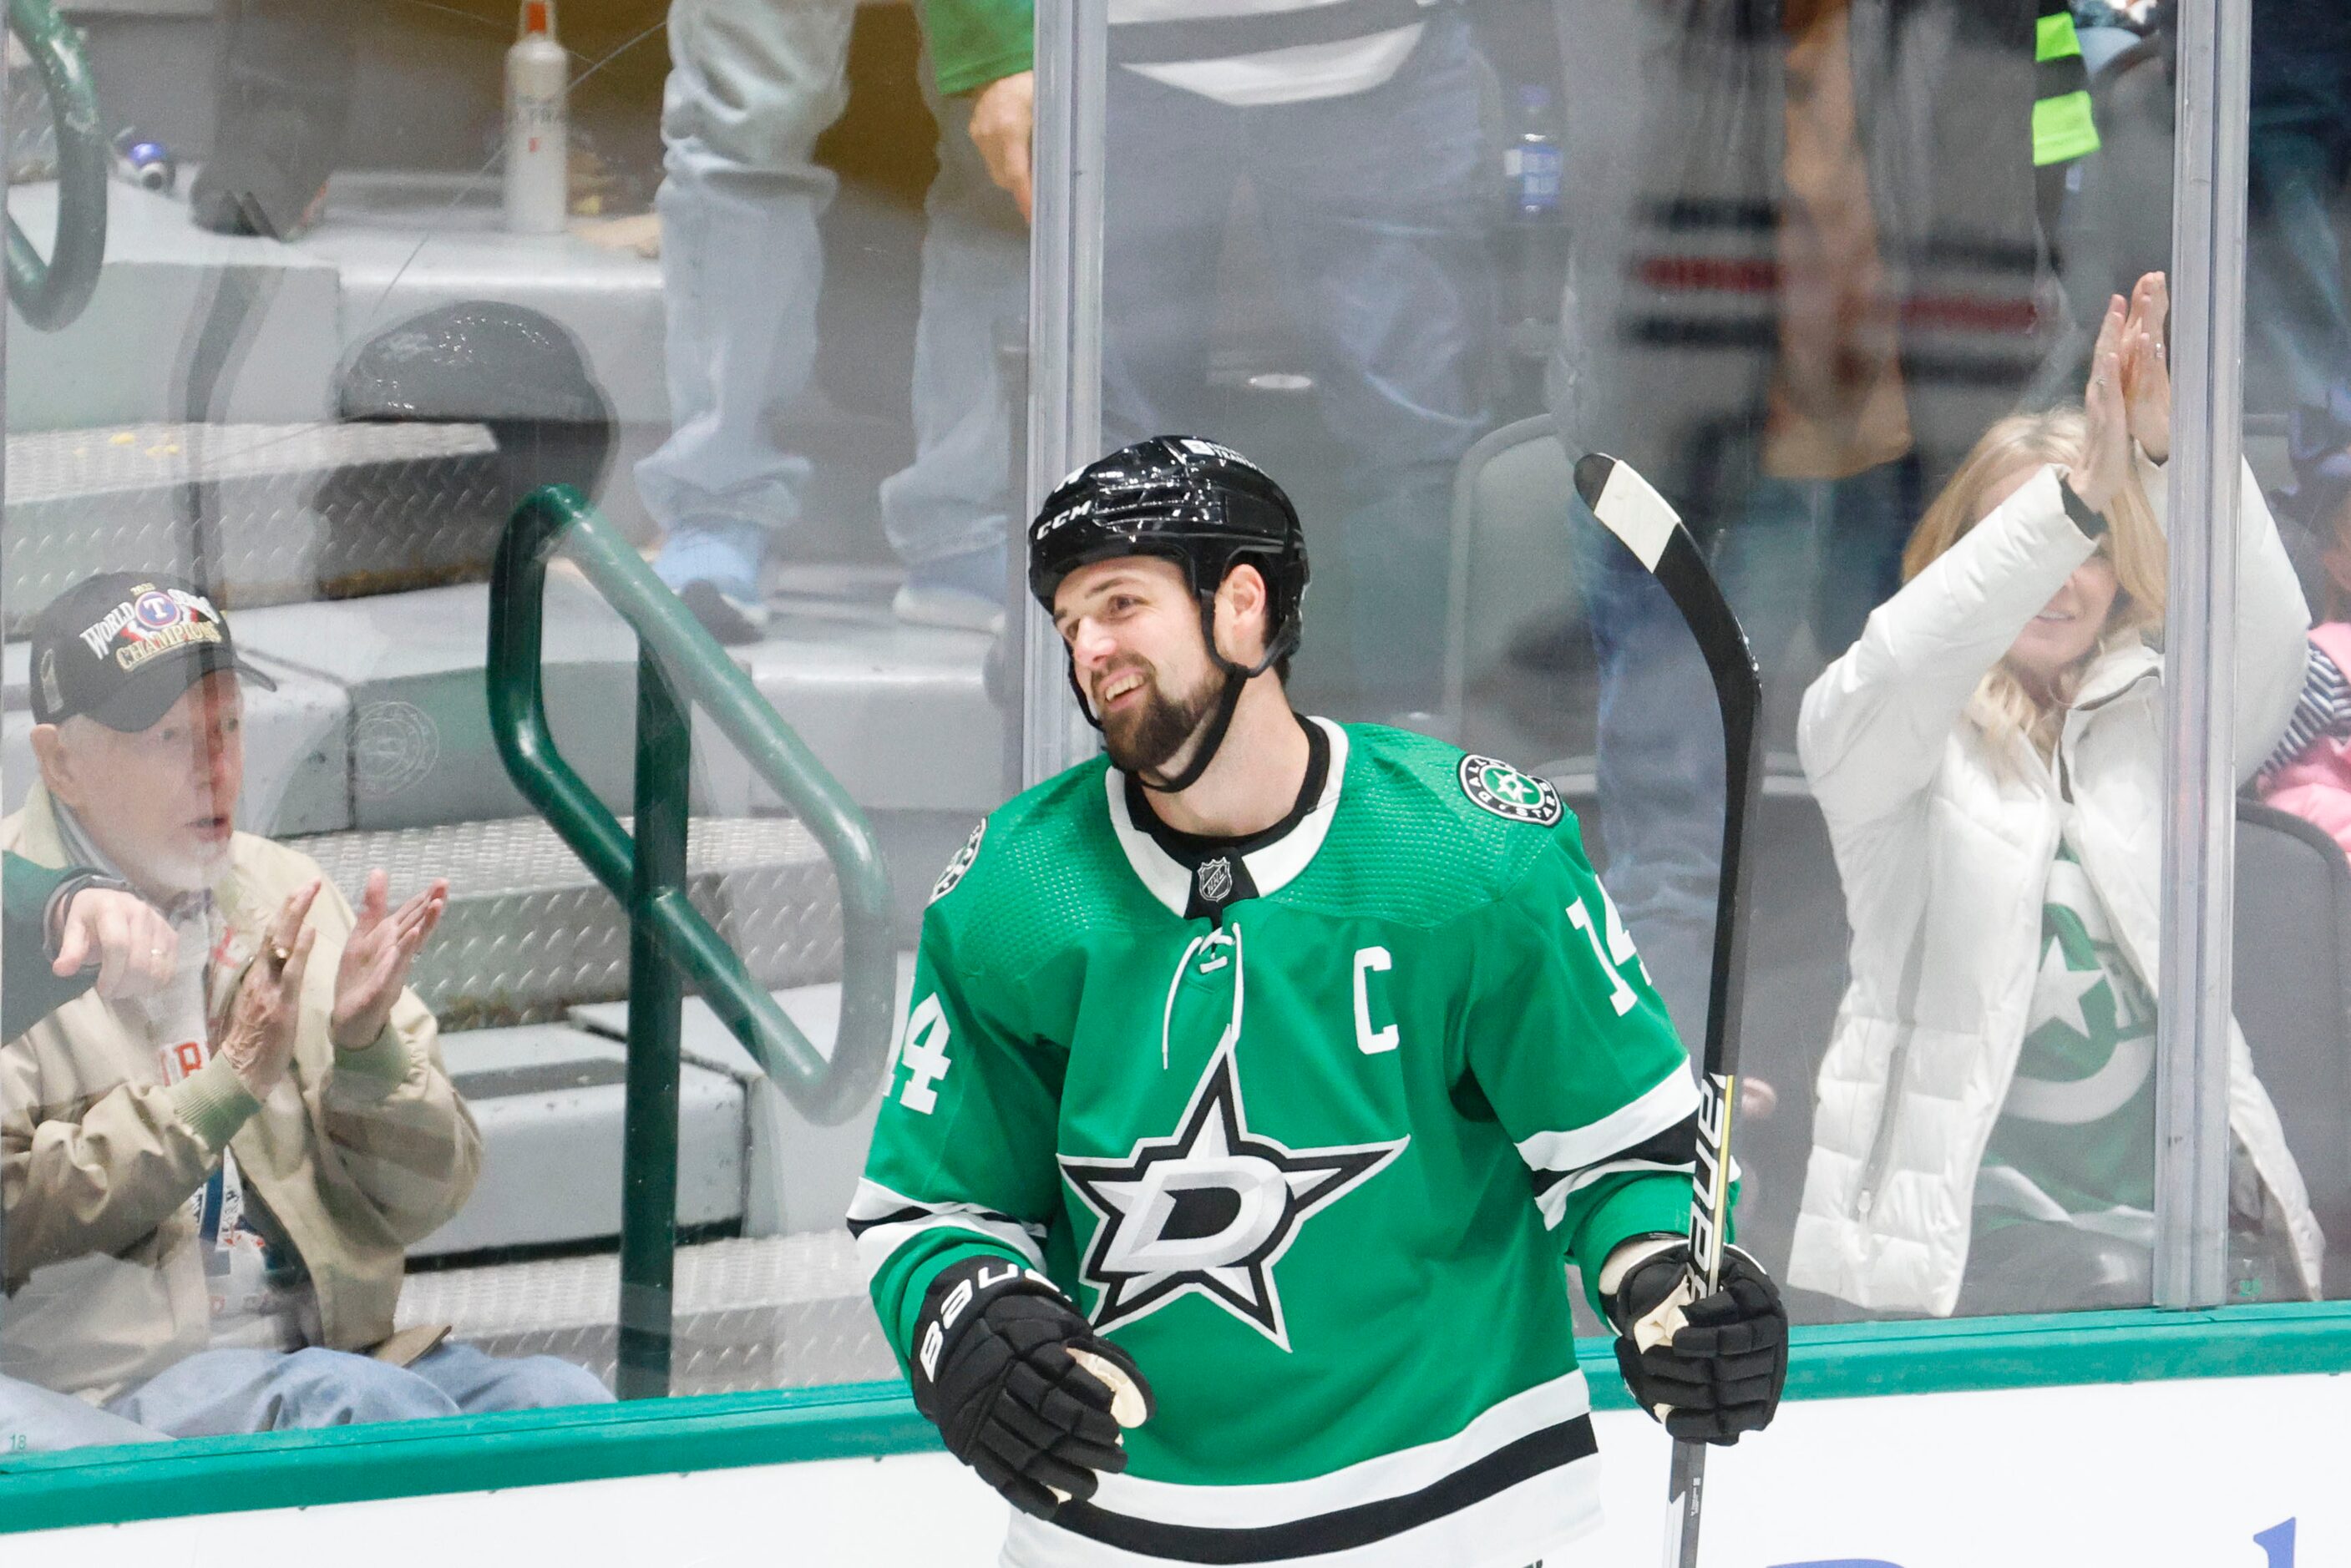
(1308,1126)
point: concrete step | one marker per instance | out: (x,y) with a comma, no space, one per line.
(898,713)
(411,667)
(547,1100)
(271,513)
(773,1312)
(529,934)
(801,1175)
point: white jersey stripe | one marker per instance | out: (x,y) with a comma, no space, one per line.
(1672,1101)
(884,1221)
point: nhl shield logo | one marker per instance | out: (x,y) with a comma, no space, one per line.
(1215,880)
(1494,786)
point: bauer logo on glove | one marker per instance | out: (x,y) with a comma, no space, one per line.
(1020,1387)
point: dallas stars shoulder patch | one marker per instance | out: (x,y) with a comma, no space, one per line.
(1209,1210)
(958,866)
(1495,785)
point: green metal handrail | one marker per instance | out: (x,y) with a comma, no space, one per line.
(51,293)
(679,663)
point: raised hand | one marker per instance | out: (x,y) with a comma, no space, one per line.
(133,946)
(2146,370)
(2105,465)
(259,1039)
(377,958)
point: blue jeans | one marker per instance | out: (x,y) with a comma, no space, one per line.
(1823,552)
(36,1420)
(752,85)
(215,1392)
(955,496)
(1373,211)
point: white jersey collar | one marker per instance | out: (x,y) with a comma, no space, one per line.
(1271,866)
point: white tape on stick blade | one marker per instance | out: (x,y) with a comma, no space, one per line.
(1636,513)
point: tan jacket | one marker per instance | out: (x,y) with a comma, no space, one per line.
(356,1153)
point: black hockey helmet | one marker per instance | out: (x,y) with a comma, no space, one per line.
(1205,507)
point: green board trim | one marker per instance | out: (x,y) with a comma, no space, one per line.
(354,1464)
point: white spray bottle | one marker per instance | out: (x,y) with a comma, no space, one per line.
(537,126)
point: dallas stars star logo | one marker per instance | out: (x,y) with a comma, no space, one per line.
(1211,1211)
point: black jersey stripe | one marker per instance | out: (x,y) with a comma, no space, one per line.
(1344,1529)
(1676,1144)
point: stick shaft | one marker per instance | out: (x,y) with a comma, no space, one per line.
(1647,525)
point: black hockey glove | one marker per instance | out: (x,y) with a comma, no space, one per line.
(998,1368)
(1713,1367)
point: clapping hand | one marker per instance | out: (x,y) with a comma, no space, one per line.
(2147,373)
(257,1041)
(377,958)
(2105,465)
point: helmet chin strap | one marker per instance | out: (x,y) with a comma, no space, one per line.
(1211,736)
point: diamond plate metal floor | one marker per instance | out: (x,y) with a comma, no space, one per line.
(776,1311)
(276,513)
(530,932)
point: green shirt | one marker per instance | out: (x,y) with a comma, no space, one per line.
(1307,1128)
(2076,1138)
(30,988)
(975,42)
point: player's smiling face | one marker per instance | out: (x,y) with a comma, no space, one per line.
(1134,633)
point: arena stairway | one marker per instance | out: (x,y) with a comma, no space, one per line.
(353,554)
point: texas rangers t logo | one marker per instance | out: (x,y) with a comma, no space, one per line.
(1209,1210)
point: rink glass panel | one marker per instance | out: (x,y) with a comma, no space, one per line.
(1376,292)
(1420,281)
(799,351)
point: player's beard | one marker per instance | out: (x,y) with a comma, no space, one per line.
(1145,737)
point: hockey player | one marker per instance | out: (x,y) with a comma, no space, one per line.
(1261,1078)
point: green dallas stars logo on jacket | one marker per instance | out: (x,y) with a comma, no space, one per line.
(2075,1139)
(1309,1125)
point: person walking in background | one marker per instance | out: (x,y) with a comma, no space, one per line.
(752,86)
(1989,757)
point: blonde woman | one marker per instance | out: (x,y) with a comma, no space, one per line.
(1989,758)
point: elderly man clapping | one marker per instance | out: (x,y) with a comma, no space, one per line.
(210,1189)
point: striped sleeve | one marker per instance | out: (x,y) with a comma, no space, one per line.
(962,1159)
(1656,1133)
(1569,1042)
(397,1128)
(881,1221)
(2321,712)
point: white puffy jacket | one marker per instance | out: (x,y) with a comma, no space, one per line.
(1944,856)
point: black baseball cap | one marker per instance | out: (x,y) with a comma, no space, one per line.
(122,647)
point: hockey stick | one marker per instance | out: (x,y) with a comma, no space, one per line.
(1628,507)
